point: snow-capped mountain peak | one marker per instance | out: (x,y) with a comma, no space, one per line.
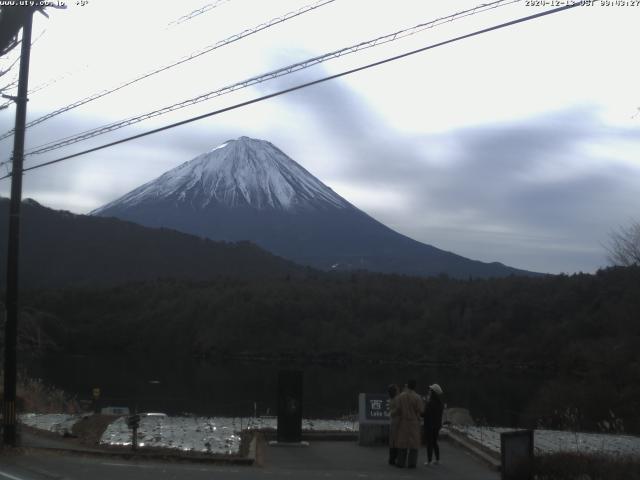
(241,172)
(248,190)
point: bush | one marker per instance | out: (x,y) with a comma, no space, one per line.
(34,396)
(575,466)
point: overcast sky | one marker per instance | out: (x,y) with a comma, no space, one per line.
(520,146)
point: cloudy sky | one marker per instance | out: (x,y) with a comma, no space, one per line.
(520,146)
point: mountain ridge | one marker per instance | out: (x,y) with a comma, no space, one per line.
(61,249)
(247,189)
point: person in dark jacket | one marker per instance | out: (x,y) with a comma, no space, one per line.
(393,423)
(433,422)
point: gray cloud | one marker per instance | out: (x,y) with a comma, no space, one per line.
(535,170)
(524,193)
(102,176)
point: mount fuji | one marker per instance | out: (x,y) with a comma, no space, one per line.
(247,189)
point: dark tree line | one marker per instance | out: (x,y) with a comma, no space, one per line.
(585,328)
(556,321)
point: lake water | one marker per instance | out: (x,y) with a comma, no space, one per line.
(244,389)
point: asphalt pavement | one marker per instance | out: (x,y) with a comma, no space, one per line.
(321,459)
(348,460)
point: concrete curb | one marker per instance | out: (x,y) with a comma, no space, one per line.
(317,436)
(148,456)
(248,460)
(474,448)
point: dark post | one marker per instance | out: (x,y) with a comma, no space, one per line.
(133,422)
(134,438)
(516,449)
(289,406)
(11,327)
(96,400)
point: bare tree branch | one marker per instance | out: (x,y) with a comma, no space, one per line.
(11,65)
(9,85)
(624,245)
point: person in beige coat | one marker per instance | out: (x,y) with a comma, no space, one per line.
(410,408)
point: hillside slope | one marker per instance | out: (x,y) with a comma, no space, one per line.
(59,249)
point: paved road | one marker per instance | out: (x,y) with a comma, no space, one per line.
(29,439)
(339,460)
(321,460)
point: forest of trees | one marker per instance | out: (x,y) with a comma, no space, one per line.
(582,331)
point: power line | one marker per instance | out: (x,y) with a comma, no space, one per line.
(9,86)
(63,142)
(196,54)
(197,12)
(47,83)
(301,86)
(31,90)
(52,81)
(2,72)
(11,65)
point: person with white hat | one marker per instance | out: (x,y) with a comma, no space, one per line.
(433,422)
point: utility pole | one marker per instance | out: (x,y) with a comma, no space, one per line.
(11,301)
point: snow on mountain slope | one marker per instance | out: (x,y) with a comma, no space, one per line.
(247,189)
(239,172)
